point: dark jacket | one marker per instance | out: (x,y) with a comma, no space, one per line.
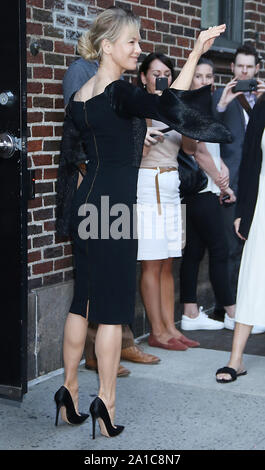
(231,153)
(248,184)
(188,112)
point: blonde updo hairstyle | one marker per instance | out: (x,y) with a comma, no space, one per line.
(107,25)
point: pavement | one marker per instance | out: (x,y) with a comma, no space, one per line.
(176,404)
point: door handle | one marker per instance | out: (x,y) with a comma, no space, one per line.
(7,98)
(8,145)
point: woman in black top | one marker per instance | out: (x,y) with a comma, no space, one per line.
(107,116)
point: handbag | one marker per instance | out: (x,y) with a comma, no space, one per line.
(192,177)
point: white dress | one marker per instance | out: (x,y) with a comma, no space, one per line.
(250,304)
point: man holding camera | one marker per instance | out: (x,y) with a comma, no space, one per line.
(233,105)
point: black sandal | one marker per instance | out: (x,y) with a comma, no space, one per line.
(229,370)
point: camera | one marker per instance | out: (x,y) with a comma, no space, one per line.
(246,85)
(161,83)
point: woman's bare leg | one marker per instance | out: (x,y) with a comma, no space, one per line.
(241,334)
(108,352)
(75,332)
(167,289)
(150,285)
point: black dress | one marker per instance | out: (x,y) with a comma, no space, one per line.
(103,217)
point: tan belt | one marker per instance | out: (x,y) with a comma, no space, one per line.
(159,170)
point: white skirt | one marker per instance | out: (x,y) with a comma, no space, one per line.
(159,226)
(250,304)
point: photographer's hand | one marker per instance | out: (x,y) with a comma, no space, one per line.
(261,88)
(228,95)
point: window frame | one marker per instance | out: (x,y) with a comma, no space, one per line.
(233,15)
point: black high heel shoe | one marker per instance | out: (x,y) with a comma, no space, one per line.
(63,398)
(99,410)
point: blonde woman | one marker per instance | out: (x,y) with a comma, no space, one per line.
(107,116)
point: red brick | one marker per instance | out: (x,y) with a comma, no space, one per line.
(33,203)
(35,3)
(42,131)
(147,47)
(184,42)
(59,103)
(42,102)
(42,72)
(63,263)
(28,13)
(261,8)
(50,173)
(34,145)
(42,241)
(34,117)
(34,28)
(170,17)
(68,250)
(151,3)
(34,256)
(153,36)
(49,226)
(152,13)
(183,20)
(105,3)
(37,59)
(196,23)
(59,74)
(41,268)
(54,116)
(58,131)
(63,48)
(141,11)
(176,51)
(34,87)
(42,160)
(42,214)
(29,101)
(53,89)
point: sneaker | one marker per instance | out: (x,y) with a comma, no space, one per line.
(201,322)
(229,323)
(257,330)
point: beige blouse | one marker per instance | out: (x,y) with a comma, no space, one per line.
(163,154)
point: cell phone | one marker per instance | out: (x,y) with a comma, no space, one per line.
(224,198)
(167,129)
(245,85)
(161,83)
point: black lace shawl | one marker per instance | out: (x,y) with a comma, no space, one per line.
(188,112)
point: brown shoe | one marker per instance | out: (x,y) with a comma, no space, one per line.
(135,354)
(92,365)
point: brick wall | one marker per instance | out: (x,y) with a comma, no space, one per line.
(167,26)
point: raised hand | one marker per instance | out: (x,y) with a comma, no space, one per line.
(206,38)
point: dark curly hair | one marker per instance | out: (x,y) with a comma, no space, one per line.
(247,49)
(144,67)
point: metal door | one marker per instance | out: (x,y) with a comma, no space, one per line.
(13,200)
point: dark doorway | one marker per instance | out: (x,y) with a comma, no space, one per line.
(13,201)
